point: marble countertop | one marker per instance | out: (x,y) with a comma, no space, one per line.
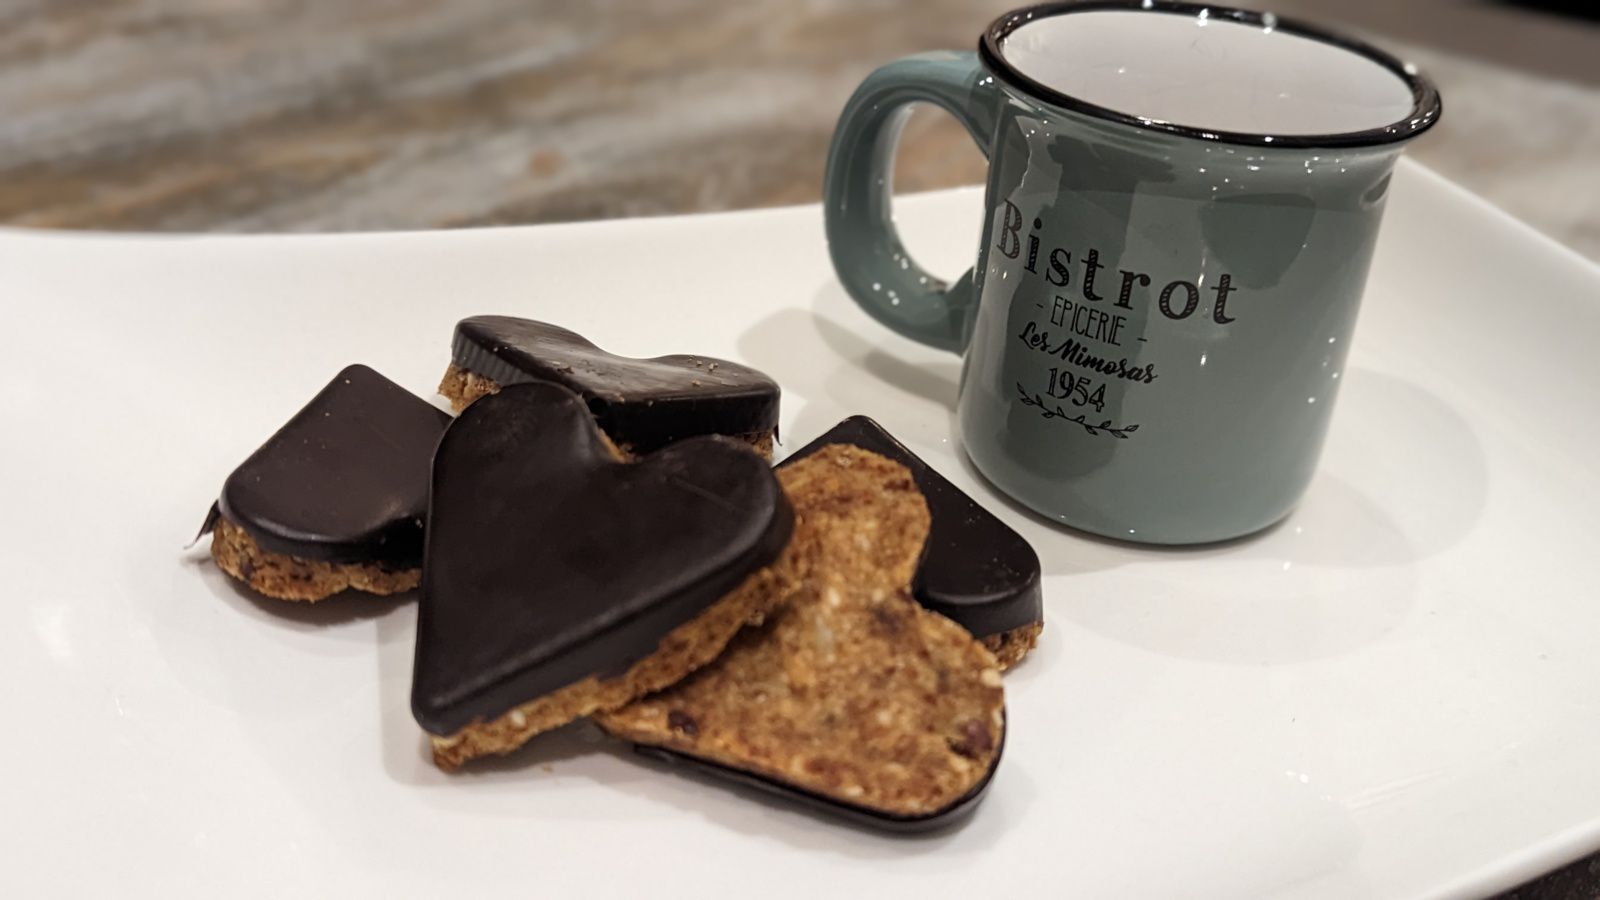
(272,115)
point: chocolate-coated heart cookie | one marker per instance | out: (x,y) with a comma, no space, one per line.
(335,499)
(560,580)
(975,570)
(642,404)
(852,697)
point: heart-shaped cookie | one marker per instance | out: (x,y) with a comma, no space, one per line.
(976,571)
(852,695)
(335,499)
(559,580)
(642,404)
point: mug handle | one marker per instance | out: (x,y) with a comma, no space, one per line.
(859,187)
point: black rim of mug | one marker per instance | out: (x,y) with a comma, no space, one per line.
(1425,107)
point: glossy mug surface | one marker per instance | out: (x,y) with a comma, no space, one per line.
(1182,205)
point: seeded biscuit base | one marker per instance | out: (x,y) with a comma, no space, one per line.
(852,693)
(286,577)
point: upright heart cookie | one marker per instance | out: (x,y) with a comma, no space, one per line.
(976,570)
(642,404)
(560,580)
(335,499)
(852,695)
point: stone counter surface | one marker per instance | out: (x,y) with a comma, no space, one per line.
(277,115)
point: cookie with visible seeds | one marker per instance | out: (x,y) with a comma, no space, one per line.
(561,579)
(335,499)
(852,695)
(641,404)
(976,571)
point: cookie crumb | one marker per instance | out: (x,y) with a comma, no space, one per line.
(1009,647)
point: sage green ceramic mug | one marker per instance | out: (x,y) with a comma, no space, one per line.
(1182,204)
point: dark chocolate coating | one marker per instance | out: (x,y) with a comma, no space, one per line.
(861,815)
(975,570)
(548,561)
(643,404)
(346,480)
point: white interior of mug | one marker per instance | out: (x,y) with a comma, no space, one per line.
(1209,73)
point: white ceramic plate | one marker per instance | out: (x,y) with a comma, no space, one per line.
(1394,694)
